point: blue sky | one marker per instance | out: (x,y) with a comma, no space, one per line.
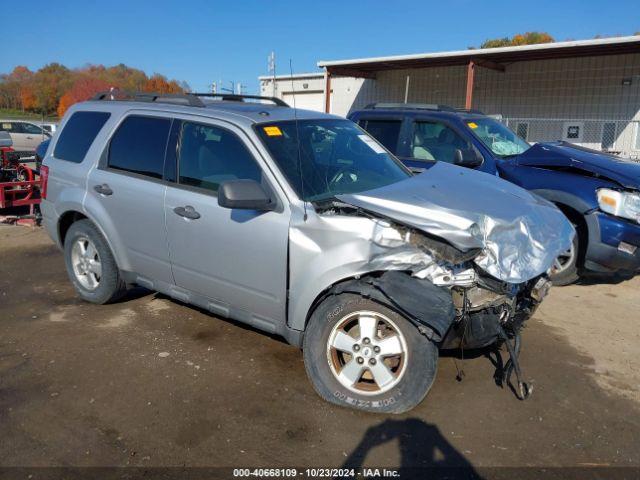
(205,41)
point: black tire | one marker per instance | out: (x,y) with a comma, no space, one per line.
(111,287)
(414,384)
(569,273)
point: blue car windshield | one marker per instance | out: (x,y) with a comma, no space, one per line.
(332,157)
(497,137)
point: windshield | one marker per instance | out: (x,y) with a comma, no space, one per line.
(335,157)
(498,137)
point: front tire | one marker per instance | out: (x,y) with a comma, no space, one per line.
(90,264)
(565,269)
(361,354)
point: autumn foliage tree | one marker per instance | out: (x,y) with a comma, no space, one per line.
(54,88)
(528,38)
(159,83)
(83,89)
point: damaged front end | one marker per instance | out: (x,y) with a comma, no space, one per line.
(438,287)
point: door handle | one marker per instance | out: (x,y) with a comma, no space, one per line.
(187,212)
(103,189)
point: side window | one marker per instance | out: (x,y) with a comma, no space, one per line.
(386,132)
(434,141)
(7,127)
(139,144)
(210,155)
(32,129)
(78,134)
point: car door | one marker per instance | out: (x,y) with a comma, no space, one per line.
(237,259)
(432,140)
(129,187)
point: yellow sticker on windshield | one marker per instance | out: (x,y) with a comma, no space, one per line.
(273,131)
(472,125)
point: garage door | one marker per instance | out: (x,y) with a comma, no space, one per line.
(306,100)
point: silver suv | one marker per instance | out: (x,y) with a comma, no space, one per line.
(299,224)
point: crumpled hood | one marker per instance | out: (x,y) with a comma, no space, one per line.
(563,154)
(520,234)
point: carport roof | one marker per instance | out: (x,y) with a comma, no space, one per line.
(366,67)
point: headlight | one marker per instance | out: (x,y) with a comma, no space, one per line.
(620,204)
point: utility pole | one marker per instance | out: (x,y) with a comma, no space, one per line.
(272,70)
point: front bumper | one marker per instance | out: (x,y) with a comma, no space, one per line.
(604,251)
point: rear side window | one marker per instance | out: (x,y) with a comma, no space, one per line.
(210,156)
(386,132)
(139,144)
(78,135)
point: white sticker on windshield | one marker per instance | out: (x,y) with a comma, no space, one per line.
(372,144)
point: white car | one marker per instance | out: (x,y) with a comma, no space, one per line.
(26,136)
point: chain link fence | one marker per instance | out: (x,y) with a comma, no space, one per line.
(619,137)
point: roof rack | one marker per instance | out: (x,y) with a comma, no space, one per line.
(190,99)
(470,110)
(412,106)
(173,98)
(241,98)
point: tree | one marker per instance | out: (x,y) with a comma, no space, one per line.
(50,83)
(54,88)
(28,99)
(159,84)
(11,87)
(528,38)
(83,89)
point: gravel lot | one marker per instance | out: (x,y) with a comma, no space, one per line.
(151,382)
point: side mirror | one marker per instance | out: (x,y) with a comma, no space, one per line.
(244,195)
(469,157)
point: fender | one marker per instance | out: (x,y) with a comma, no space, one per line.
(570,200)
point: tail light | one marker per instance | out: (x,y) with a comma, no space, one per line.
(44,179)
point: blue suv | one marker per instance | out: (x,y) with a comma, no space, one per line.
(599,193)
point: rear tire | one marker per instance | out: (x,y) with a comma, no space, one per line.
(388,370)
(90,264)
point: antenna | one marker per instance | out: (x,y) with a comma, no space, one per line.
(295,118)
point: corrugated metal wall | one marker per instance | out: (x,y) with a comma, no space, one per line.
(548,95)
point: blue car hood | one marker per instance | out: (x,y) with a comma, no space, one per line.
(563,155)
(519,233)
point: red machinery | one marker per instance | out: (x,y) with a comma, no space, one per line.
(18,184)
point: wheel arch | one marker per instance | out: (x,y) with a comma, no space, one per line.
(398,291)
(72,216)
(575,209)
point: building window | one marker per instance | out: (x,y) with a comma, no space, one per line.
(522,130)
(608,136)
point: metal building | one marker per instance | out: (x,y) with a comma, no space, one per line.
(309,90)
(586,92)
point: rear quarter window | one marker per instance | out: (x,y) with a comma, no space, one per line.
(78,134)
(387,132)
